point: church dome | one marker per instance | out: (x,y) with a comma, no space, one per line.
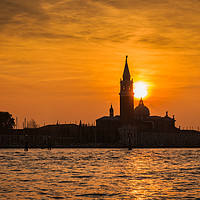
(141,109)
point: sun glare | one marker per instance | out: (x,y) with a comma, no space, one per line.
(140,89)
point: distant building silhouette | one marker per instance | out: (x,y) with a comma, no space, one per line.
(111,111)
(126,97)
(137,124)
(134,127)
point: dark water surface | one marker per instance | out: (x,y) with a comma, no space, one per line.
(100,174)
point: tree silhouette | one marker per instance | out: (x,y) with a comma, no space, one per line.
(6,121)
(32,124)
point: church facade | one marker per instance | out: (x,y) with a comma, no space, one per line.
(136,127)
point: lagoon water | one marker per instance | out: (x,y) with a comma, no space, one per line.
(100,174)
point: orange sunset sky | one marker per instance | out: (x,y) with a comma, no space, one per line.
(63,59)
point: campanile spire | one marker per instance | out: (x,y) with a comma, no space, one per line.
(126,74)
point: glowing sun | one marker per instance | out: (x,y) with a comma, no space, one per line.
(140,89)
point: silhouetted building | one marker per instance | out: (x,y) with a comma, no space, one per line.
(126,96)
(56,135)
(136,126)
(133,127)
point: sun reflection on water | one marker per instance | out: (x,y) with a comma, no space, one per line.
(100,173)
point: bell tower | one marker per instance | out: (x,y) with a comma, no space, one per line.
(126,97)
(111,111)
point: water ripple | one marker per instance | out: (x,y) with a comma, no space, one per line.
(100,174)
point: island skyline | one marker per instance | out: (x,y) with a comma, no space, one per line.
(135,127)
(62,60)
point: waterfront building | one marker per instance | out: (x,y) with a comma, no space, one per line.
(133,127)
(138,127)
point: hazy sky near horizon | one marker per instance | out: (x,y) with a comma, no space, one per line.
(63,59)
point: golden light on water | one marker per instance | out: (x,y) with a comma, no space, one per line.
(140,89)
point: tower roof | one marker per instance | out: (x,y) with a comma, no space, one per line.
(111,111)
(126,74)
